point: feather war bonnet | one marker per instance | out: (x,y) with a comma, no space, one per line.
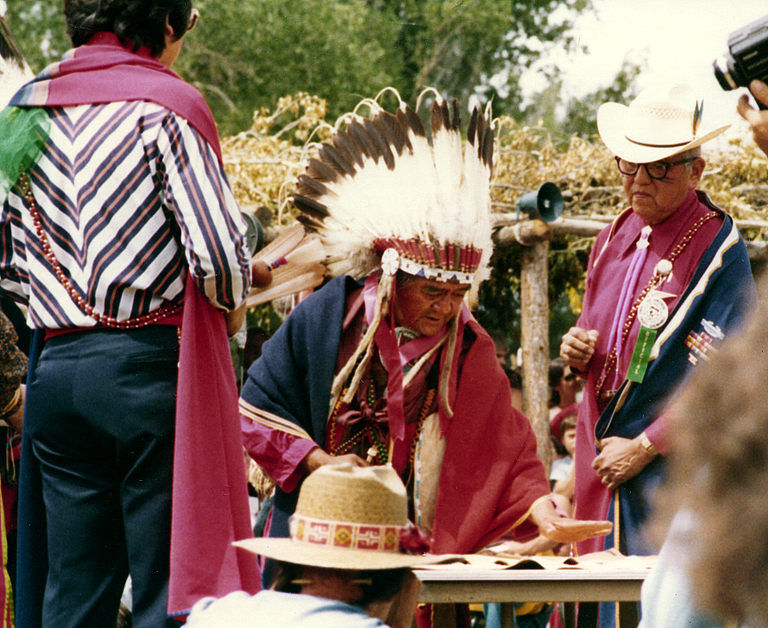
(380,184)
(381,194)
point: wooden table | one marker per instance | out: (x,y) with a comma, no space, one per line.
(476,584)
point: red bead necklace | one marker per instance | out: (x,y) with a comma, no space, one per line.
(85,307)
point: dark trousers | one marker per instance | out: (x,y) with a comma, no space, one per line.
(100,416)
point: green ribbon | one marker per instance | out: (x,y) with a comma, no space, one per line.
(24,133)
(641,355)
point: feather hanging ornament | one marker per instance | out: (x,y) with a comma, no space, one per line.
(294,260)
(698,112)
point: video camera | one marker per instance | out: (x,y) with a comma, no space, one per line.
(747,57)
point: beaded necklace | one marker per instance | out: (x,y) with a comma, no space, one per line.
(378,437)
(612,360)
(85,307)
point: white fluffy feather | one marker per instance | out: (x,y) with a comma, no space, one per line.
(436,193)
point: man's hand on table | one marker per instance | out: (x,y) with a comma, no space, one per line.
(317,458)
(561,529)
(538,545)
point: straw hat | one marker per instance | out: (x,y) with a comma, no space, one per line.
(662,121)
(346,517)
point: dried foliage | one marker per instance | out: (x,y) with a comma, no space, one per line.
(263,162)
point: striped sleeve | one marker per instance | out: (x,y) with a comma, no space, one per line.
(12,261)
(212,228)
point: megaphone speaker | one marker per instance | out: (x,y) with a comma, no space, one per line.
(545,203)
(254,235)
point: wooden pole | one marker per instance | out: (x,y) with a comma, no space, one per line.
(534,302)
(511,232)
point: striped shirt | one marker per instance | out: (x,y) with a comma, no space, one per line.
(130,196)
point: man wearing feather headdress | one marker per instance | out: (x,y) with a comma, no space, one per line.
(392,368)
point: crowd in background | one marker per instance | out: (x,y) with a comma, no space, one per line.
(380,410)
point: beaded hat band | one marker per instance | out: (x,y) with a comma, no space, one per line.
(348,518)
(367,537)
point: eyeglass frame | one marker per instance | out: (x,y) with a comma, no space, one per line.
(667,165)
(194,16)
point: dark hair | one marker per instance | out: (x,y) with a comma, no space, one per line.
(568,423)
(557,445)
(515,381)
(140,22)
(402,279)
(378,584)
(556,370)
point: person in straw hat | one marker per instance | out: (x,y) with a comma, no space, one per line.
(385,364)
(667,281)
(349,555)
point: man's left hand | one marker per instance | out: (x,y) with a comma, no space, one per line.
(557,527)
(620,459)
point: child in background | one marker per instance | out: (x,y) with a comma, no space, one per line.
(563,426)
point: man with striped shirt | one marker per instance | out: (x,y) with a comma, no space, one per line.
(122,212)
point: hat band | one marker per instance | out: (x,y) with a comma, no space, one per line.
(359,536)
(629,139)
(439,274)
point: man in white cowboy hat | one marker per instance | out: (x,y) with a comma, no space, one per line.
(392,368)
(347,563)
(667,281)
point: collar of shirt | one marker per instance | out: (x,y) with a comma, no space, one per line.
(664,235)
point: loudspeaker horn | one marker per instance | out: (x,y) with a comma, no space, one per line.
(545,203)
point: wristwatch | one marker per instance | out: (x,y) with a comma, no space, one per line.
(648,445)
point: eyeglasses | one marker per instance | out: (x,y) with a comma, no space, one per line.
(193,17)
(655,170)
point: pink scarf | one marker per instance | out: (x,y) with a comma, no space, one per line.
(395,358)
(210,496)
(105,71)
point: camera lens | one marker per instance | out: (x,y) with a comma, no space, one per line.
(726,73)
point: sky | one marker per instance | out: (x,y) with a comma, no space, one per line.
(679,39)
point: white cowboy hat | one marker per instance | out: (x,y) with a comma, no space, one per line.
(347,517)
(662,121)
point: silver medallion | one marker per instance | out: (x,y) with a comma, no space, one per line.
(653,312)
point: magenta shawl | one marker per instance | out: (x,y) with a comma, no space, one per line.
(210,506)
